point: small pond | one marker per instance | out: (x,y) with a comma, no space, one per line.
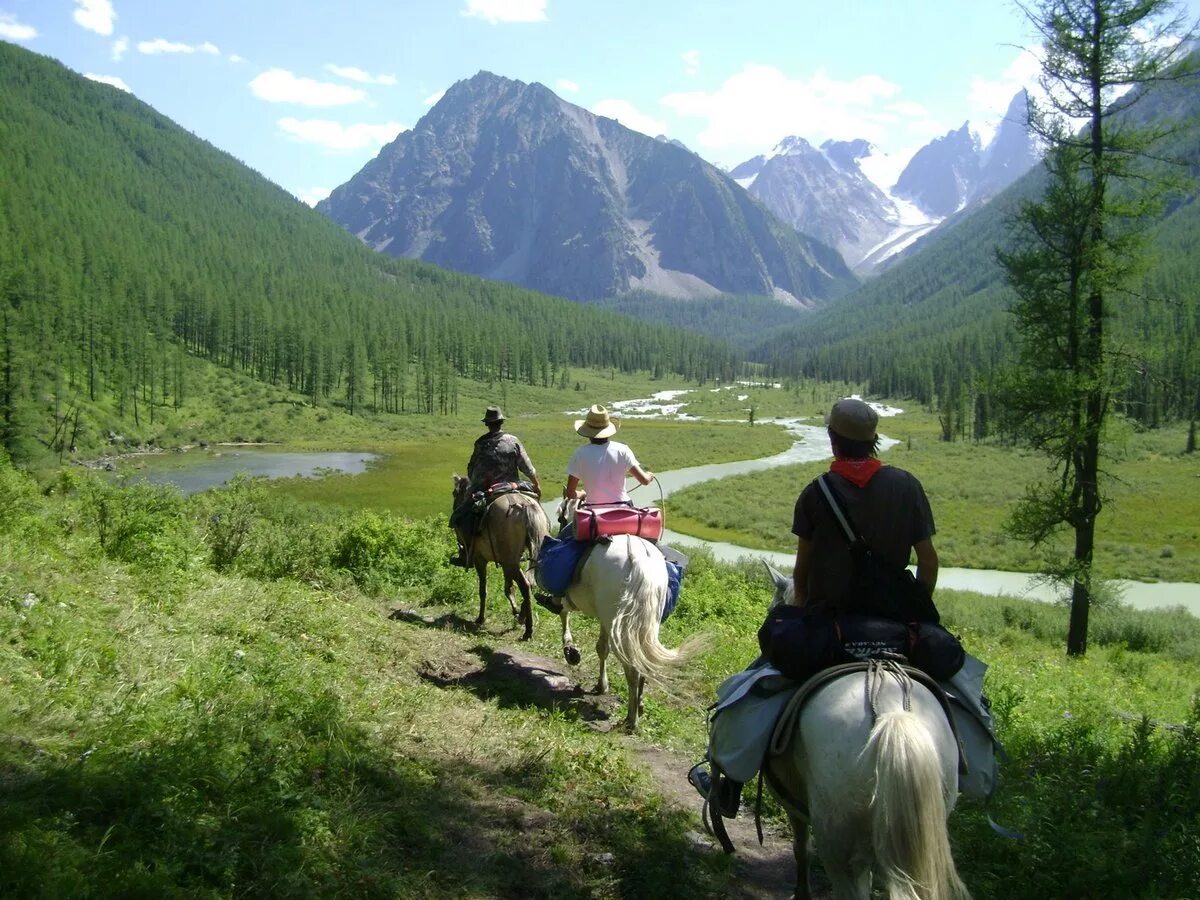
(198,470)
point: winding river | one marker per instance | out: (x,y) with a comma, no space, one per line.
(811,445)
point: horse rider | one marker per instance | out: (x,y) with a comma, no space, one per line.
(889,508)
(601,466)
(497,457)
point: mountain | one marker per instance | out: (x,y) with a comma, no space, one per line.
(506,180)
(827,193)
(935,325)
(836,194)
(954,171)
(135,257)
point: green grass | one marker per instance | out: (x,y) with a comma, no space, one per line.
(1149,529)
(207,698)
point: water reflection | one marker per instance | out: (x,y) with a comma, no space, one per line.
(192,474)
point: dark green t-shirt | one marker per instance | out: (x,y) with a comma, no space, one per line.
(891,512)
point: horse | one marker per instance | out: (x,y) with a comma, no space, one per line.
(623,584)
(875,779)
(513,527)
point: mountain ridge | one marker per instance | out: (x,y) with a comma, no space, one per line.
(507,180)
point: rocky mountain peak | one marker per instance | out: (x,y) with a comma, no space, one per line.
(505,179)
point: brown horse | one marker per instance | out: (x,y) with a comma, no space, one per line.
(513,527)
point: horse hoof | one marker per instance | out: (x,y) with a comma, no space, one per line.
(572,655)
(479,620)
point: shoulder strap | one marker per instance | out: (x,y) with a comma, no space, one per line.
(848,529)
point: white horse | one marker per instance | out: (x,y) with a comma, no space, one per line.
(624,585)
(875,779)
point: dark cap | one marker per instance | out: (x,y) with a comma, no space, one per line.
(853,420)
(493,415)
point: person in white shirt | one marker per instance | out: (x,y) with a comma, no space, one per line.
(602,464)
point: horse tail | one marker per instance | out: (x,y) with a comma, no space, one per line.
(634,631)
(536,526)
(908,812)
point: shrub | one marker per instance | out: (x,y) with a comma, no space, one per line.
(381,549)
(141,524)
(229,515)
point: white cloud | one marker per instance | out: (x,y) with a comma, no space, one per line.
(353,73)
(567,86)
(313,195)
(12,30)
(760,104)
(496,11)
(281,86)
(336,136)
(434,98)
(630,116)
(162,45)
(234,58)
(691,61)
(95,15)
(113,80)
(119,46)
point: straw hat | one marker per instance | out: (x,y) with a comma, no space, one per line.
(598,423)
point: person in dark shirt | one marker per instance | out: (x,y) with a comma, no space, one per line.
(497,457)
(886,503)
(891,511)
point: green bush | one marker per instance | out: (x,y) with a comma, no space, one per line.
(380,549)
(229,515)
(142,524)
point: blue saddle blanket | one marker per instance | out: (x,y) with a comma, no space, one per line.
(559,559)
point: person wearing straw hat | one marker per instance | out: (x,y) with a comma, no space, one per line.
(497,457)
(602,464)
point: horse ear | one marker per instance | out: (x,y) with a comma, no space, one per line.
(776,578)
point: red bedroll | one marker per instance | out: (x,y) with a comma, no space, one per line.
(592,522)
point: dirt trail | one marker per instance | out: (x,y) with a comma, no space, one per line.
(766,871)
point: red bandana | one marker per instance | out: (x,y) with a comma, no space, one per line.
(856,471)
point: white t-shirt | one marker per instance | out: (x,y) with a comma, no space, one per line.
(602,468)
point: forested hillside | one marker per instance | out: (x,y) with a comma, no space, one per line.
(131,252)
(935,326)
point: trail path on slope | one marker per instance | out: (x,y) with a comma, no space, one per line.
(763,872)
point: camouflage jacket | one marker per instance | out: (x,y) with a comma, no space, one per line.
(498,457)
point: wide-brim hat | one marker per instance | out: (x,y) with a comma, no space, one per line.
(853,420)
(492,415)
(598,424)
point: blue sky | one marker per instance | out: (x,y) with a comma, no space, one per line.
(307,92)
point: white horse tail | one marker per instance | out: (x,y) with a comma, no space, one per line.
(634,634)
(908,812)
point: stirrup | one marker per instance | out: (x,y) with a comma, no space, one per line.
(549,602)
(728,794)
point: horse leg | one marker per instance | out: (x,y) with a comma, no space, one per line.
(800,852)
(508,594)
(602,653)
(570,652)
(526,613)
(637,688)
(481,571)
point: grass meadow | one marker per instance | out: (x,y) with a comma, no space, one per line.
(241,694)
(1149,529)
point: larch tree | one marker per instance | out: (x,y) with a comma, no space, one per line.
(1075,252)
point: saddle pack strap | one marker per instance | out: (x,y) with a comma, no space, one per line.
(509,487)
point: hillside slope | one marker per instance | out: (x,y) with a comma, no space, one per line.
(936,325)
(130,248)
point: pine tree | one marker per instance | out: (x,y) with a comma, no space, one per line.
(1078,247)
